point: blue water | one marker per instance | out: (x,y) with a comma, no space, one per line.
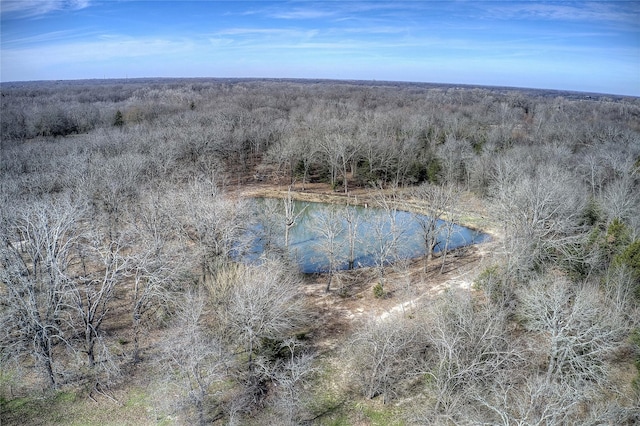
(381,236)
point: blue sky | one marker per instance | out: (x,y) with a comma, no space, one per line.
(584,46)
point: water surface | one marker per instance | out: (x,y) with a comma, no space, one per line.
(323,234)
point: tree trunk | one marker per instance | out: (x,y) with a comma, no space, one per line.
(446,246)
(200,409)
(90,344)
(430,246)
(286,235)
(344,176)
(136,338)
(48,363)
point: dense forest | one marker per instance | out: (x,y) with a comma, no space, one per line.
(124,205)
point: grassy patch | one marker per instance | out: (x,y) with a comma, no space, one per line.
(70,408)
(383,418)
(326,405)
(136,398)
(336,419)
(37,411)
(14,405)
(383,415)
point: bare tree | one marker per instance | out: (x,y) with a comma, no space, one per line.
(454,158)
(541,215)
(528,401)
(469,347)
(373,153)
(264,304)
(289,374)
(197,361)
(297,151)
(155,267)
(291,215)
(526,398)
(88,298)
(328,227)
(339,152)
(449,230)
(593,173)
(284,155)
(269,217)
(387,232)
(621,287)
(352,218)
(112,186)
(253,304)
(621,199)
(382,354)
(435,201)
(580,327)
(254,309)
(37,256)
(212,221)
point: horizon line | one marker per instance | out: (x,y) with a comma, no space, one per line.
(326,79)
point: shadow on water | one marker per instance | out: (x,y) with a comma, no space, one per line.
(324,234)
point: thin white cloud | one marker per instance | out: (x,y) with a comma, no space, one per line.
(35,8)
(372,30)
(303,14)
(335,10)
(281,32)
(46,37)
(105,48)
(220,41)
(615,12)
(260,37)
(285,10)
(234,41)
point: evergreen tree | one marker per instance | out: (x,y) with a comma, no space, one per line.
(118,120)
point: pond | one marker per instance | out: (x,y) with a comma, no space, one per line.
(328,237)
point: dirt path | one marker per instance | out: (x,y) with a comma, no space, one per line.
(463,281)
(337,313)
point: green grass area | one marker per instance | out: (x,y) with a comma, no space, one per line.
(49,409)
(382,416)
(371,413)
(70,408)
(336,419)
